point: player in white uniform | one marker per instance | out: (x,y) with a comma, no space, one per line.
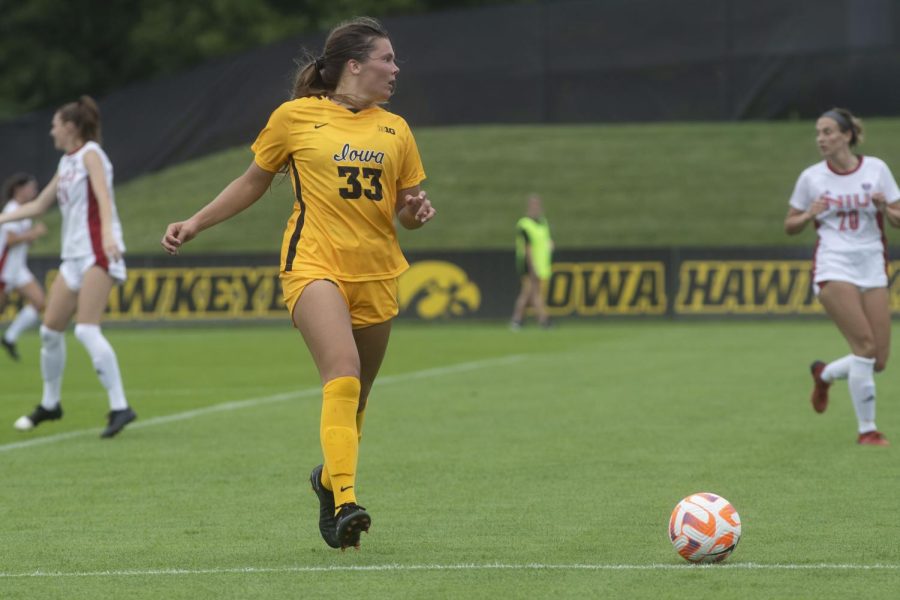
(92,262)
(18,190)
(848,197)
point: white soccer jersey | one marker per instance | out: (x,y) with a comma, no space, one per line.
(16,255)
(851,222)
(4,252)
(81,234)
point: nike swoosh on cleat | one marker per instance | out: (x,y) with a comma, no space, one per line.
(344,489)
(318,125)
(869,399)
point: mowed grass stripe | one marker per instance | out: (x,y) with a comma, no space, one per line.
(460,567)
(606,185)
(569,460)
(263,400)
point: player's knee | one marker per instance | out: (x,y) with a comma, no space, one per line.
(347,366)
(92,339)
(50,337)
(84,333)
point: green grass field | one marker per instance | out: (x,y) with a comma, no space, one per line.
(666,184)
(495,465)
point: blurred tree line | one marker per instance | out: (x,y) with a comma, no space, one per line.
(51,51)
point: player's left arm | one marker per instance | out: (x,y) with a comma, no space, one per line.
(890,210)
(38,230)
(97,177)
(413,207)
(36,207)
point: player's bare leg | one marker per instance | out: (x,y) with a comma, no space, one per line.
(877,308)
(323,319)
(61,306)
(26,318)
(34,295)
(522,301)
(844,303)
(92,300)
(537,301)
(371,344)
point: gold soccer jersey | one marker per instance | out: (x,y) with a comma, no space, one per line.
(346,168)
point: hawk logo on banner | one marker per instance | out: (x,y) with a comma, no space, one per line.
(433,289)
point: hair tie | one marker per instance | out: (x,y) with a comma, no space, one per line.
(320,63)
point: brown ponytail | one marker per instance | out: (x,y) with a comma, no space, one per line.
(85,114)
(319,76)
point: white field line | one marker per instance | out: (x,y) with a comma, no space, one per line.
(261,400)
(131,392)
(456,567)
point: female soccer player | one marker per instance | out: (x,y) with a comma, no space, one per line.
(18,190)
(848,197)
(354,168)
(92,262)
(534,249)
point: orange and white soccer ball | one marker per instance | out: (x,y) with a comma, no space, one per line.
(704,528)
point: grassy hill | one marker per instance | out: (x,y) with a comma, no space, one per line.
(604,185)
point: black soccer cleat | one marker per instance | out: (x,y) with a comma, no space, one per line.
(117,420)
(352,520)
(38,416)
(10,348)
(327,521)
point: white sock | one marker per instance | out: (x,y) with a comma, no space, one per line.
(27,317)
(53,361)
(105,362)
(862,391)
(837,369)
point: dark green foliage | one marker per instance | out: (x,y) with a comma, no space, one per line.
(52,51)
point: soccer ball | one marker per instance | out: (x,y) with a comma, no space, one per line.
(704,528)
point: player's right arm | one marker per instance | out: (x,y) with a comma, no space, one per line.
(804,206)
(27,237)
(35,208)
(237,195)
(796,219)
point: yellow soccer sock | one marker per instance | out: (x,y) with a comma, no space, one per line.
(326,477)
(340,443)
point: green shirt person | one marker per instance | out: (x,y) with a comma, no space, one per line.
(534,250)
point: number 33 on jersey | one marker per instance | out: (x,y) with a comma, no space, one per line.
(346,168)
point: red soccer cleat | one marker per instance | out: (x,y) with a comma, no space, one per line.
(872,438)
(819,396)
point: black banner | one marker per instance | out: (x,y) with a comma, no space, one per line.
(448,286)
